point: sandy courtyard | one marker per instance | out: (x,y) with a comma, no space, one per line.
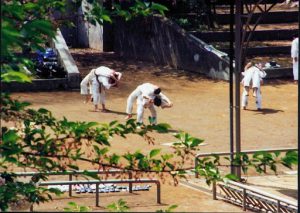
(201,108)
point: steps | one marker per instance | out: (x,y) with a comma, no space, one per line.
(271,38)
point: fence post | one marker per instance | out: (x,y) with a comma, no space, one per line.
(214,190)
(130,183)
(244,199)
(97,194)
(70,186)
(158,192)
(196,164)
(278,206)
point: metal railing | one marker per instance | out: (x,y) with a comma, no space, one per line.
(255,199)
(245,151)
(76,173)
(71,182)
(98,182)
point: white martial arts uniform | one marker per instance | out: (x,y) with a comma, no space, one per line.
(253,75)
(100,75)
(295,54)
(145,90)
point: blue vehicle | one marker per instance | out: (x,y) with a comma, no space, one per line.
(47,65)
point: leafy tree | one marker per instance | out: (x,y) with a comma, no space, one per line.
(40,142)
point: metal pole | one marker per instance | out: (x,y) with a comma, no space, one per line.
(97,194)
(238,57)
(196,165)
(214,190)
(298,97)
(244,200)
(231,52)
(158,192)
(130,183)
(70,186)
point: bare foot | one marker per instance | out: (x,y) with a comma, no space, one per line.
(244,108)
(104,110)
(128,117)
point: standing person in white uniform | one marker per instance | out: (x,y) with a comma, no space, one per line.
(97,81)
(252,74)
(147,95)
(295,55)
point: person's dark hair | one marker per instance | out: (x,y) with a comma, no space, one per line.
(157,101)
(111,81)
(157,91)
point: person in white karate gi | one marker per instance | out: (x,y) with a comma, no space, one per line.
(147,95)
(295,55)
(96,82)
(252,74)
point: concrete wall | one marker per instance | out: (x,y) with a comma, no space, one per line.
(89,35)
(67,61)
(72,81)
(161,41)
(84,34)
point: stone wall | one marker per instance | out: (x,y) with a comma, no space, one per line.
(163,42)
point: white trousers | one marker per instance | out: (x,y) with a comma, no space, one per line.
(84,90)
(258,100)
(97,96)
(256,80)
(136,94)
(295,70)
(140,113)
(130,100)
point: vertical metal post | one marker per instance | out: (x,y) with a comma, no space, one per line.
(214,190)
(70,186)
(130,183)
(278,206)
(231,52)
(238,58)
(97,194)
(244,200)
(158,192)
(298,98)
(196,164)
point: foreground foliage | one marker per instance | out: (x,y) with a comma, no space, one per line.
(37,141)
(40,142)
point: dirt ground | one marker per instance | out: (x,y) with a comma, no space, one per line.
(201,108)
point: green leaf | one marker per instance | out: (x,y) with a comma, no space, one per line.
(231,177)
(73,167)
(15,76)
(159,7)
(106,18)
(162,127)
(10,136)
(43,111)
(154,152)
(171,166)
